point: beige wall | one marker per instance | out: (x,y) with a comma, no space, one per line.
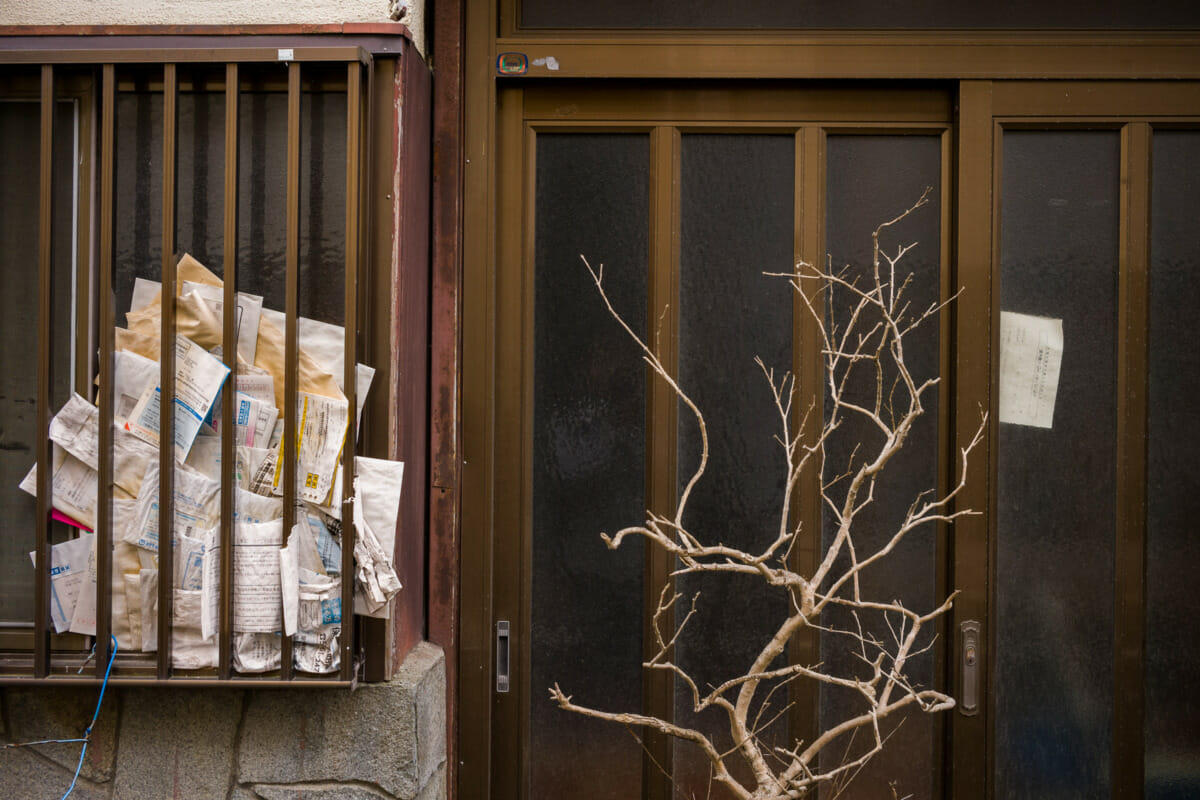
(207,12)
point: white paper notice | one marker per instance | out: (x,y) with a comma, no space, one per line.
(197,507)
(73,487)
(76,428)
(83,620)
(68,572)
(320,433)
(249,309)
(289,579)
(1031,350)
(132,374)
(210,586)
(198,378)
(256,652)
(256,587)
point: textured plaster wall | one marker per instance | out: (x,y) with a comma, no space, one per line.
(208,12)
(379,742)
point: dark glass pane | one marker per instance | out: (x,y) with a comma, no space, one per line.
(870,180)
(201,177)
(138,203)
(262,188)
(737,223)
(1172,733)
(262,192)
(20,134)
(1054,637)
(858,14)
(589,438)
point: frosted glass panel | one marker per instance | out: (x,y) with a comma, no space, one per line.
(589,437)
(1054,636)
(262,192)
(737,222)
(869,180)
(20,134)
(1172,732)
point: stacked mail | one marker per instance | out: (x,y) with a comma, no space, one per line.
(292,589)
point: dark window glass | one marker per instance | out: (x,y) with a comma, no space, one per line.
(870,180)
(262,191)
(858,14)
(1054,572)
(1172,503)
(737,223)
(589,438)
(20,143)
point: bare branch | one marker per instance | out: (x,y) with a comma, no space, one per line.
(862,323)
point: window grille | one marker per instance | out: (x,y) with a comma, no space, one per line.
(29,648)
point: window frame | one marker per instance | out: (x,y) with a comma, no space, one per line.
(372,77)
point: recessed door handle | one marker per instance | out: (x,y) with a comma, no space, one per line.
(502,655)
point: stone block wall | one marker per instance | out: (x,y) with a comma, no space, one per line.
(383,741)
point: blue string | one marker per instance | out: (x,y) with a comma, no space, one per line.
(87,734)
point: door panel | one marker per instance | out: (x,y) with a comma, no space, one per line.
(685,218)
(1059,237)
(870,180)
(737,220)
(1172,717)
(589,434)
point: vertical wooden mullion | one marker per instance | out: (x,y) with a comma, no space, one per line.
(662,406)
(947,460)
(229,351)
(1132,357)
(808,365)
(481,113)
(166,444)
(45,377)
(354,239)
(105,334)
(973,324)
(513,521)
(287,448)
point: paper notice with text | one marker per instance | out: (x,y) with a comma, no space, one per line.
(73,487)
(1031,350)
(256,586)
(198,378)
(197,507)
(68,574)
(320,432)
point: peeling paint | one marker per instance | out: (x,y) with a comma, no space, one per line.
(394,409)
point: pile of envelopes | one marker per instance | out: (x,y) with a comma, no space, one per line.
(293,589)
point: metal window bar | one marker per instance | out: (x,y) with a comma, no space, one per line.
(140,669)
(166,361)
(229,350)
(45,376)
(106,339)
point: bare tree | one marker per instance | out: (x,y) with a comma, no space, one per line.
(863,326)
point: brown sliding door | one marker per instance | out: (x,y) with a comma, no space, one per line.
(1084,247)
(1062,219)
(687,197)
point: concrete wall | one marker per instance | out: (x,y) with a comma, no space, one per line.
(380,742)
(210,12)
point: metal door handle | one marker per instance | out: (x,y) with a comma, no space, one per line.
(502,655)
(970,654)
